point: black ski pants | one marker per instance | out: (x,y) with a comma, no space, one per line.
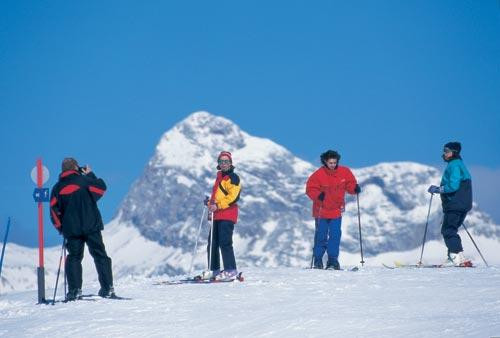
(451,223)
(223,239)
(75,246)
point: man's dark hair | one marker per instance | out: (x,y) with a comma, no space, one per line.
(329,154)
(69,163)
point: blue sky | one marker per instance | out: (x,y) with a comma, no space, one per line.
(376,80)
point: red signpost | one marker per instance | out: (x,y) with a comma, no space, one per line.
(41,269)
(39,184)
(40,175)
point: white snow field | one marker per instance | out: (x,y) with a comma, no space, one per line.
(276,302)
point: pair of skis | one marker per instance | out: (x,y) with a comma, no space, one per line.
(398,265)
(355,268)
(199,280)
(113,296)
(90,298)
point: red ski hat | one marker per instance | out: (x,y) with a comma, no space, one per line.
(225,153)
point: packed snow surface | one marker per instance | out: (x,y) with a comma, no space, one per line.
(277,302)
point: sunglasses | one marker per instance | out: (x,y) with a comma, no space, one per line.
(447,150)
(224,161)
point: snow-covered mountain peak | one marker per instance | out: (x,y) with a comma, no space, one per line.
(210,130)
(194,143)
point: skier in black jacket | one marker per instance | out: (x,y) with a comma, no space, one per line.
(74,213)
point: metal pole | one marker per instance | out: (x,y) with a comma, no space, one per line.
(58,271)
(425,231)
(4,244)
(314,242)
(211,244)
(40,269)
(472,239)
(196,243)
(65,281)
(316,225)
(360,238)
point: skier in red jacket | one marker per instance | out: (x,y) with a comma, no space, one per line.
(326,187)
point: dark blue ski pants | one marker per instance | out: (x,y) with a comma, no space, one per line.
(327,238)
(451,223)
(223,240)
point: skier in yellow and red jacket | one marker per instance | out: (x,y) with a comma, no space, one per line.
(223,205)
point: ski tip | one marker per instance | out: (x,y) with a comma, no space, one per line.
(120,298)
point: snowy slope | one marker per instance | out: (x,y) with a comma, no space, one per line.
(280,302)
(154,231)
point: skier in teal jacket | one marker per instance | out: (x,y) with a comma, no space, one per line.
(456,196)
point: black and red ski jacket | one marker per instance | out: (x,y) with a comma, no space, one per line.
(73,203)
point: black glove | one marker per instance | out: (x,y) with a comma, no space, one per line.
(205,202)
(321,196)
(357,189)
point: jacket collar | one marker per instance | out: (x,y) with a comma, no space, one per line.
(225,173)
(68,173)
(330,171)
(453,158)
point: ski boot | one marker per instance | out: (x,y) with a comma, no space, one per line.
(227,275)
(74,294)
(107,292)
(333,264)
(207,275)
(318,264)
(457,259)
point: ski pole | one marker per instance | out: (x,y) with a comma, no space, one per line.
(314,242)
(425,231)
(65,289)
(360,238)
(58,271)
(196,243)
(316,225)
(4,244)
(211,243)
(472,239)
